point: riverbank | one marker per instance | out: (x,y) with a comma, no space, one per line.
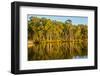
(31,42)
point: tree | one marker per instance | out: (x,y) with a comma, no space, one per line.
(68,21)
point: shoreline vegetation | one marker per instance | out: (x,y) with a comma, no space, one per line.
(50,31)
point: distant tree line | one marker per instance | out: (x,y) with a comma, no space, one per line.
(43,29)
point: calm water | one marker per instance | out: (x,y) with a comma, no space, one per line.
(52,51)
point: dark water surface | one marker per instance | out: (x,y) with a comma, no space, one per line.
(62,50)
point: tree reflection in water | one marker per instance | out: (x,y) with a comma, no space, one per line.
(60,50)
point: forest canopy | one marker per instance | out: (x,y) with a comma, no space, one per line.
(47,30)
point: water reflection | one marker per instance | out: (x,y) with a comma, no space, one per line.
(63,50)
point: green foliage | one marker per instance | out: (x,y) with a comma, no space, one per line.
(42,29)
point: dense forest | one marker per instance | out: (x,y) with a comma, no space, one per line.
(47,30)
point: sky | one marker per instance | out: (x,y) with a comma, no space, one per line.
(75,19)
